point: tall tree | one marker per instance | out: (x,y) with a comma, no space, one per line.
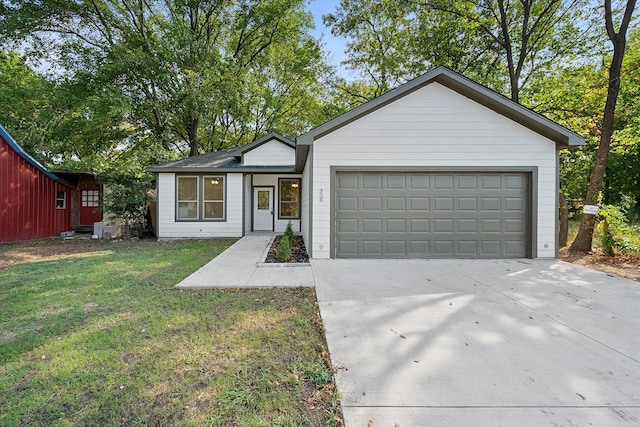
(618,39)
(187,68)
(502,44)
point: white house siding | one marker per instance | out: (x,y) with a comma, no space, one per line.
(169,228)
(272,153)
(304,209)
(434,127)
(272,181)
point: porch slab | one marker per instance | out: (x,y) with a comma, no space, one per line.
(239,267)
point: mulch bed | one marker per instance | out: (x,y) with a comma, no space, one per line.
(298,251)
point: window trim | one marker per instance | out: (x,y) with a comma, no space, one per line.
(299,181)
(178,200)
(200,202)
(224,199)
(63,198)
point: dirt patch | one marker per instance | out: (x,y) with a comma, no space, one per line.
(298,251)
(53,249)
(627,266)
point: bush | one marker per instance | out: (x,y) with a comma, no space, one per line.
(284,249)
(288,233)
(612,225)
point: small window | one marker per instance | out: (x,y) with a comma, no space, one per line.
(61,199)
(187,197)
(90,198)
(213,201)
(289,195)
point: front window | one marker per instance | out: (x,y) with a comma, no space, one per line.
(187,197)
(289,198)
(61,199)
(213,197)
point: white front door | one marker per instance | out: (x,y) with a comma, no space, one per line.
(263,208)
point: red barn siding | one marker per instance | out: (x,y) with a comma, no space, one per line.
(28,200)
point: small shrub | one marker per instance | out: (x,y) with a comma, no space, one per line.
(284,249)
(288,232)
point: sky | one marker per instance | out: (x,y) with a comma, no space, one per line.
(334,46)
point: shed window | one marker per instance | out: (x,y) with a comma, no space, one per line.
(61,199)
(289,196)
(90,198)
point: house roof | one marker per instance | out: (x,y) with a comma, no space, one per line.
(20,151)
(228,160)
(464,86)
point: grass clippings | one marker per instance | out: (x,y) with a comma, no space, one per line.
(98,335)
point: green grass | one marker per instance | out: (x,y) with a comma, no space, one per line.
(102,337)
(633,237)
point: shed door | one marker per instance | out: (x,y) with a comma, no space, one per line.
(431,215)
(89,207)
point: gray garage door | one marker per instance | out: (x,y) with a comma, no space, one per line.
(431,215)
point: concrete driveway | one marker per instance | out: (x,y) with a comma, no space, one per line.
(481,343)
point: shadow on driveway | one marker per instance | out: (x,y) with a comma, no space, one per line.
(481,342)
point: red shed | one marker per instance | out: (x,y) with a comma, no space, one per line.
(34,203)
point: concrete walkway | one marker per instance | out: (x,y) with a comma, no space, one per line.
(240,266)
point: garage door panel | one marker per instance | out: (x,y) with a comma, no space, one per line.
(396,225)
(431,215)
(372,204)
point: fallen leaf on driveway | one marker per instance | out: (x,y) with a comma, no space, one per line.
(583,398)
(403,337)
(370,424)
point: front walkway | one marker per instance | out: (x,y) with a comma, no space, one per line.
(240,266)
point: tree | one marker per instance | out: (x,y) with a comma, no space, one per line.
(188,71)
(618,39)
(126,196)
(504,45)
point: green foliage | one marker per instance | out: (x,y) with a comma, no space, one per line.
(288,232)
(186,77)
(614,229)
(284,248)
(391,41)
(126,196)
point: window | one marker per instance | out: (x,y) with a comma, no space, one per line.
(289,198)
(213,197)
(187,197)
(90,198)
(61,199)
(200,198)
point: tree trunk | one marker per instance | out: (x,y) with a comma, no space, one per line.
(584,239)
(563,232)
(192,132)
(127,229)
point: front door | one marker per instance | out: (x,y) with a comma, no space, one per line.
(89,207)
(263,209)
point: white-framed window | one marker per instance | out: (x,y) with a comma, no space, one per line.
(289,198)
(61,199)
(200,198)
(90,198)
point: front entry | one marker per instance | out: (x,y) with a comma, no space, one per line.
(89,207)
(263,208)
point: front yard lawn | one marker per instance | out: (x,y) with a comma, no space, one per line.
(94,333)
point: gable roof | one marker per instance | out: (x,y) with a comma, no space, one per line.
(271,136)
(464,86)
(4,134)
(227,160)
